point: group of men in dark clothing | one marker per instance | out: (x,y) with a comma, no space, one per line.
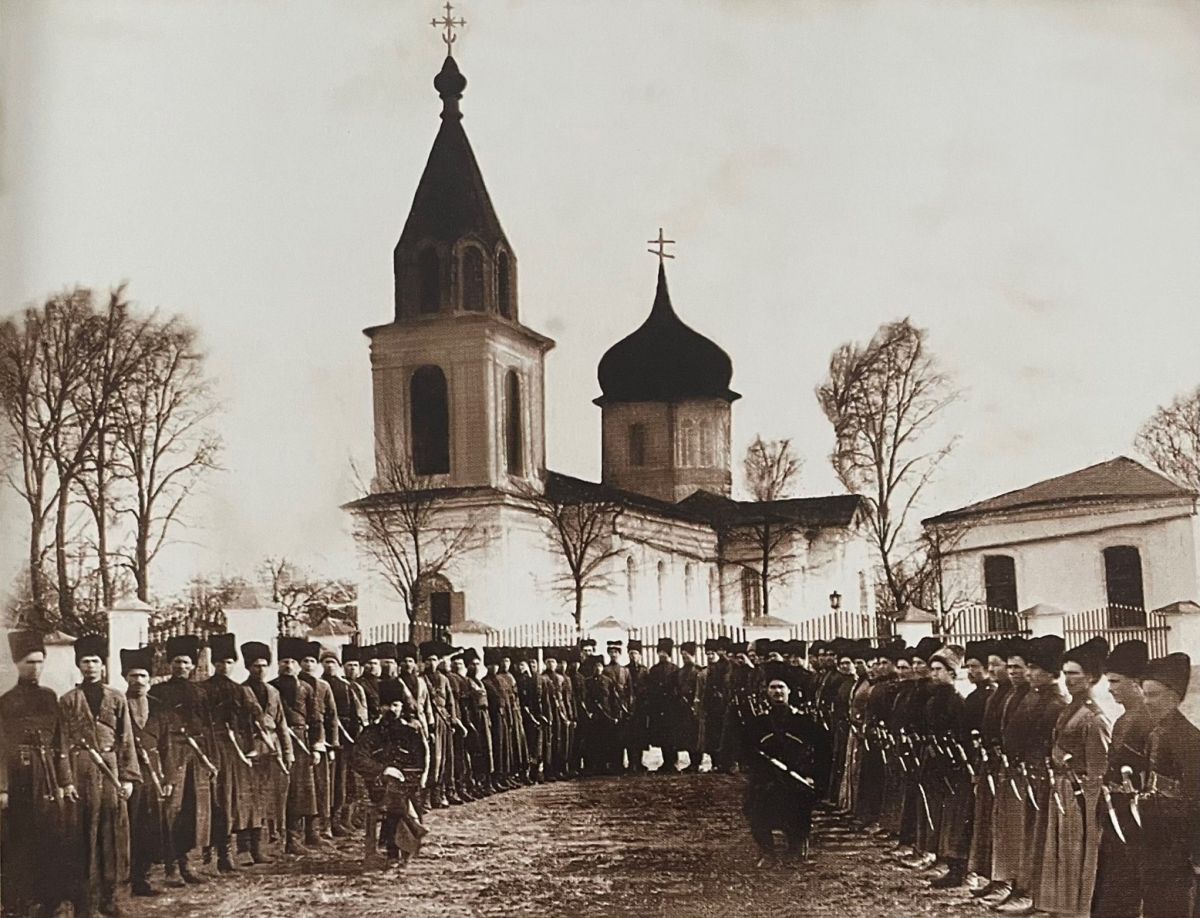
(1023,795)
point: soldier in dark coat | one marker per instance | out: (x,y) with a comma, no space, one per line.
(103,762)
(636,725)
(148,844)
(533,719)
(477,715)
(326,750)
(780,791)
(1171,804)
(600,712)
(985,743)
(687,689)
(272,754)
(660,703)
(232,710)
(189,811)
(33,776)
(745,685)
(306,730)
(554,732)
(445,723)
(392,758)
(455,669)
(368,658)
(1118,873)
(350,708)
(714,699)
(499,710)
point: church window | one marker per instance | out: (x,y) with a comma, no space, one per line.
(662,583)
(472,268)
(430,421)
(708,452)
(687,444)
(1123,584)
(504,285)
(513,453)
(429,274)
(751,594)
(637,445)
(689,583)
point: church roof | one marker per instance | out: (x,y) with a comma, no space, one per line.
(664,360)
(451,201)
(1117,480)
(812,512)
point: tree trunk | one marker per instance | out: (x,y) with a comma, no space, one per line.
(100,512)
(37,589)
(141,558)
(766,571)
(66,600)
(578,606)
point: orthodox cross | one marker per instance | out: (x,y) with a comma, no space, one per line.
(661,243)
(448,22)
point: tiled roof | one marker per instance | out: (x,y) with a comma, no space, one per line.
(816,512)
(1116,480)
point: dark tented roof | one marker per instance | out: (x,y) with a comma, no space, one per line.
(1117,480)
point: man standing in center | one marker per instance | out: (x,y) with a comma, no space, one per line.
(305,730)
(660,692)
(233,711)
(687,688)
(326,749)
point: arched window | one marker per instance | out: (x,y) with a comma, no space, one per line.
(637,445)
(689,583)
(631,582)
(472,269)
(504,285)
(429,274)
(714,592)
(1123,584)
(687,444)
(662,583)
(430,421)
(513,453)
(708,445)
(751,594)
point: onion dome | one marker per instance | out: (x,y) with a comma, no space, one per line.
(664,360)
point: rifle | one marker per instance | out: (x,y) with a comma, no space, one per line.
(155,778)
(204,760)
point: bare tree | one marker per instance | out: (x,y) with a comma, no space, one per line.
(581,522)
(406,528)
(771,470)
(163,441)
(1170,439)
(883,399)
(303,598)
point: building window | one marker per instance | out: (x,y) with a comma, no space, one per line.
(429,273)
(504,285)
(687,444)
(708,445)
(662,584)
(472,271)
(637,445)
(631,582)
(689,583)
(513,453)
(751,594)
(1123,583)
(1000,591)
(430,421)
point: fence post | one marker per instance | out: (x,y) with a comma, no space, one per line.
(1046,619)
(1183,618)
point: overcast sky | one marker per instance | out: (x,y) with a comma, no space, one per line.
(1019,177)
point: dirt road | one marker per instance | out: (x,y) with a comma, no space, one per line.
(640,846)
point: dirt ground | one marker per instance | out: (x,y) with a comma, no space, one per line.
(643,846)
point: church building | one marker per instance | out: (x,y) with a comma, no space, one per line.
(459,386)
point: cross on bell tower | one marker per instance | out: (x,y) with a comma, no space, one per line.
(448,23)
(661,250)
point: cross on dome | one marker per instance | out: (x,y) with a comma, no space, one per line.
(661,243)
(448,24)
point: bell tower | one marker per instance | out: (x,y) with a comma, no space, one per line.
(458,381)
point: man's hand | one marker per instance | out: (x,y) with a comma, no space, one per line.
(3,800)
(319,747)
(126,790)
(394,773)
(70,793)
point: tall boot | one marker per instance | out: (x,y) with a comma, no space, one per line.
(256,852)
(295,832)
(954,877)
(225,863)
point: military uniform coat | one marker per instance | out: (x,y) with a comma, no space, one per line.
(271,752)
(232,711)
(660,702)
(306,730)
(147,807)
(189,811)
(1171,817)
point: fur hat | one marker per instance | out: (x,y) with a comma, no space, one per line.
(253,651)
(392,690)
(293,648)
(184,645)
(712,645)
(1046,652)
(666,645)
(978,651)
(925,649)
(634,644)
(386,650)
(141,658)
(406,651)
(91,645)
(22,643)
(1129,658)
(1174,671)
(1090,655)
(223,647)
(350,654)
(951,655)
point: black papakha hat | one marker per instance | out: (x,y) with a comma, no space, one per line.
(22,643)
(140,658)
(1129,658)
(91,645)
(253,651)
(222,647)
(1174,671)
(183,645)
